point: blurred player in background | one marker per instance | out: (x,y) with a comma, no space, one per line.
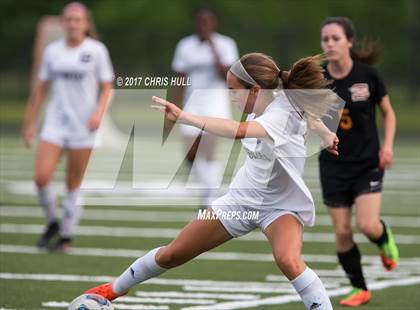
(80,73)
(355,176)
(270,180)
(204,57)
(49,29)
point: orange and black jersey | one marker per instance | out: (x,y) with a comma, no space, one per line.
(362,89)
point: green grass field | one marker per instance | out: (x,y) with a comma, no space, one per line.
(240,274)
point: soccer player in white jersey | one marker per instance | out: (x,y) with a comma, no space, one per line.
(270,180)
(205,58)
(79,70)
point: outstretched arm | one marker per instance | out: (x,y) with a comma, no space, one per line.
(218,126)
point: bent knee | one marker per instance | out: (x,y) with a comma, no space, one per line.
(343,233)
(367,228)
(169,257)
(41,179)
(289,263)
(343,239)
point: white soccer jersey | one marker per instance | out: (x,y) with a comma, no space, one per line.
(271,176)
(195,59)
(75,74)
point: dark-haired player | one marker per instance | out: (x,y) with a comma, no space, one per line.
(355,176)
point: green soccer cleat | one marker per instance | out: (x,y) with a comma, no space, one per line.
(389,251)
(356,298)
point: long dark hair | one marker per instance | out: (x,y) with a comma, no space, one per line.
(366,51)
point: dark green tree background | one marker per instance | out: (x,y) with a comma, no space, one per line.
(141,34)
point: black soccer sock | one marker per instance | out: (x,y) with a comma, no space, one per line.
(383,238)
(351,263)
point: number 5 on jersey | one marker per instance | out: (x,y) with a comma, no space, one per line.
(346,122)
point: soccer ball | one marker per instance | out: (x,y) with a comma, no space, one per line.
(90,302)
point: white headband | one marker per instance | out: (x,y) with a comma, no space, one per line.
(239,71)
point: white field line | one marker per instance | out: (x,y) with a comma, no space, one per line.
(15,158)
(400,179)
(284,288)
(230,305)
(332,274)
(216,256)
(64,304)
(379,285)
(190,202)
(258,289)
(144,202)
(166,300)
(156,187)
(99,188)
(174,201)
(172,233)
(16,161)
(154,281)
(171,216)
(17,155)
(331,279)
(263,287)
(108,215)
(188,285)
(174,294)
(399,176)
(138,199)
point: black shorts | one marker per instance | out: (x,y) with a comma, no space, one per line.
(342,182)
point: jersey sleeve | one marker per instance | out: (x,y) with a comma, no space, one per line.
(44,73)
(104,66)
(230,53)
(179,62)
(379,86)
(275,123)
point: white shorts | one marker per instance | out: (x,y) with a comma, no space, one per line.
(242,225)
(206,102)
(66,137)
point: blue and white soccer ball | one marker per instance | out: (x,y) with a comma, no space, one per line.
(90,302)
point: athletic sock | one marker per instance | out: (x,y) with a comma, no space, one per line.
(47,200)
(383,238)
(142,269)
(71,213)
(351,263)
(312,291)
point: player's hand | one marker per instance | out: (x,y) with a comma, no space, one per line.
(171,111)
(330,143)
(28,133)
(94,121)
(386,157)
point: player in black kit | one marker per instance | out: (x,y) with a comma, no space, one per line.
(355,176)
